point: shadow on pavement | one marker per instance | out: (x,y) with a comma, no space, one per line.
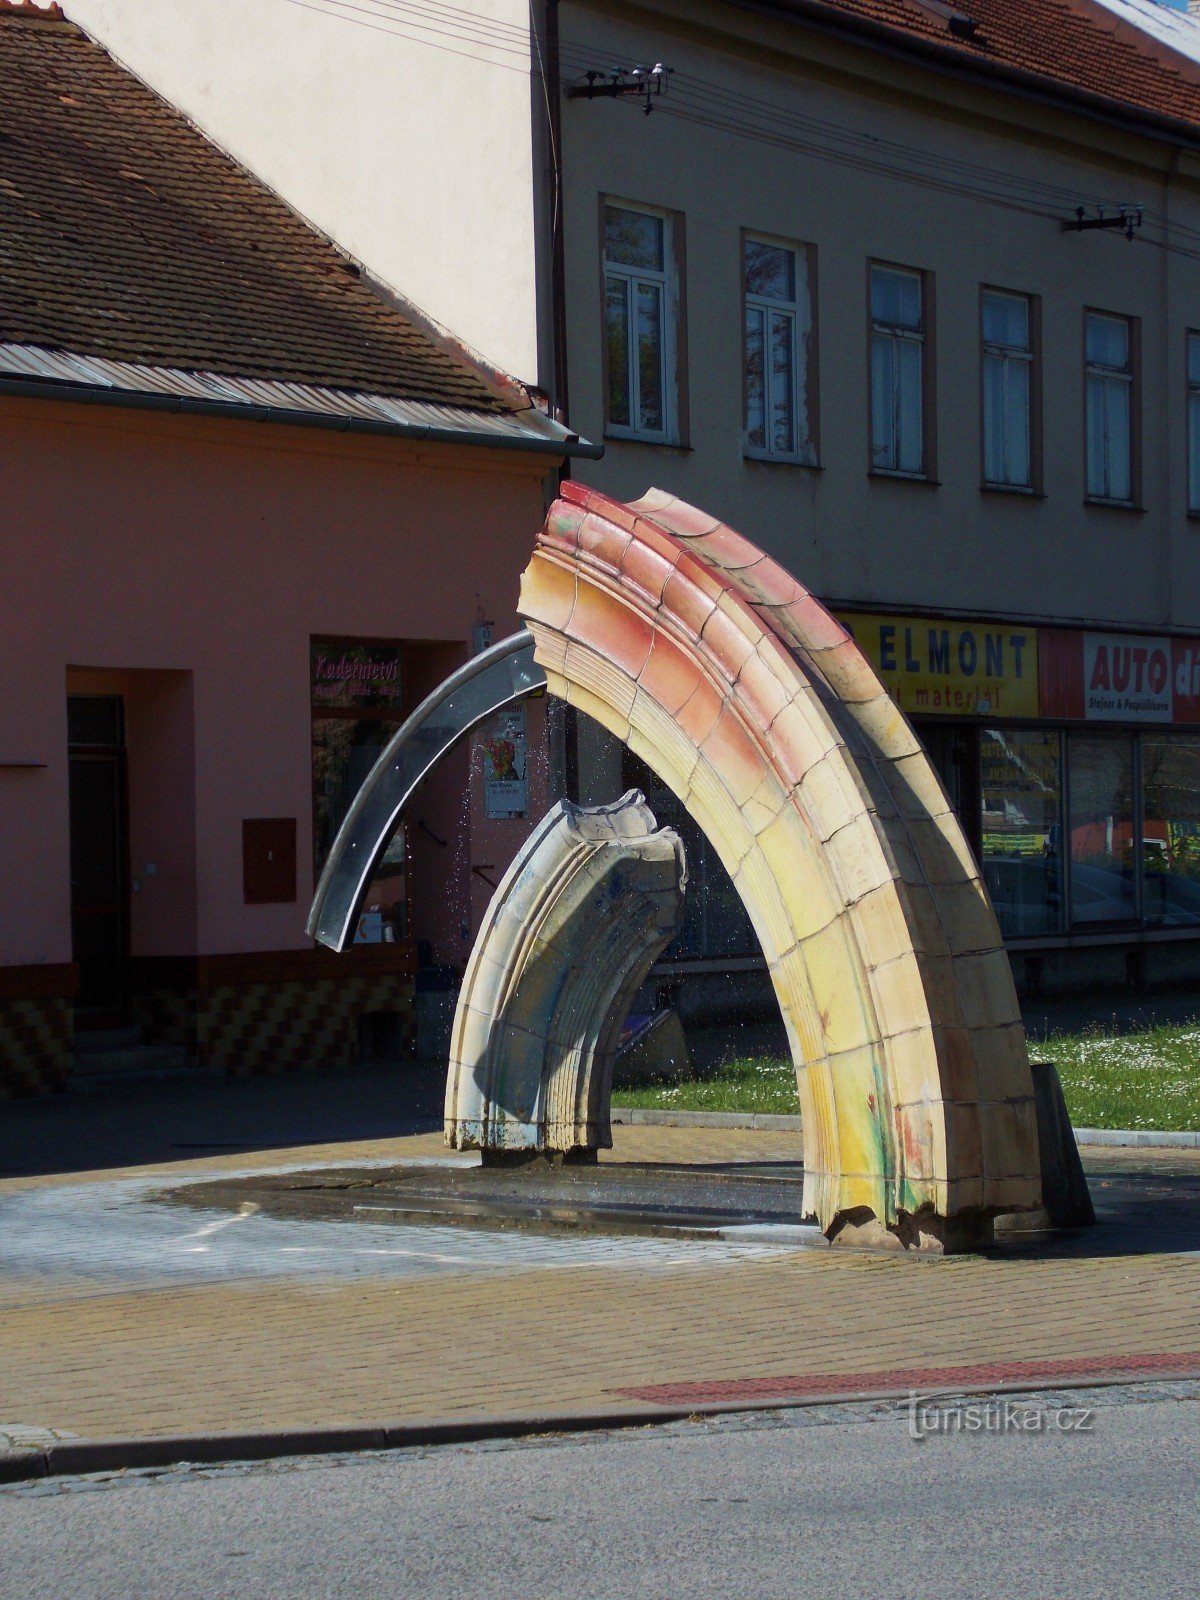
(1146,1203)
(142,1123)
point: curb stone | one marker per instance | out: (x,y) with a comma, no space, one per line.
(18,1465)
(765,1122)
(760,1121)
(85,1456)
(1138,1136)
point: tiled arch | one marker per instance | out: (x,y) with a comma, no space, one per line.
(757,708)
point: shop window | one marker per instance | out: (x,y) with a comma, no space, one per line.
(1110,407)
(1007,390)
(899,402)
(714,920)
(1102,853)
(779,354)
(641,305)
(1171,830)
(357,705)
(1193,421)
(1021,834)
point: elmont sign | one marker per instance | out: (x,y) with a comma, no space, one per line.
(953,668)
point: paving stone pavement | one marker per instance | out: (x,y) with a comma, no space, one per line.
(119,1316)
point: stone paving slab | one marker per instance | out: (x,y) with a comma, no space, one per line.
(186,1331)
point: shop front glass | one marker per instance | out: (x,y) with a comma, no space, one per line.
(1102,855)
(357,705)
(1171,830)
(1020,849)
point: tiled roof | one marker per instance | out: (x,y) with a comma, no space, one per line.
(1072,43)
(126,234)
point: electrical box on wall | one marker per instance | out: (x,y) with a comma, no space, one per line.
(269,860)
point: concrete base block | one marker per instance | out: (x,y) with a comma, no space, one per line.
(1065,1196)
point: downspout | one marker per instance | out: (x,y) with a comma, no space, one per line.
(561,726)
(1171,409)
(558,269)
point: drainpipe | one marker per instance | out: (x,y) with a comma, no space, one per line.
(558,295)
(1167,454)
(561,727)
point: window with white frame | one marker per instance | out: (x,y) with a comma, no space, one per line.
(898,371)
(1193,421)
(1007,390)
(1109,376)
(779,329)
(639,324)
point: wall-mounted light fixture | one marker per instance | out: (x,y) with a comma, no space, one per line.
(622,83)
(1125,216)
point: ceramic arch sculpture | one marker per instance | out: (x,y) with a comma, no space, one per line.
(757,708)
(588,905)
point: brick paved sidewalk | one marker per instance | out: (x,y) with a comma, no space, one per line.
(96,1349)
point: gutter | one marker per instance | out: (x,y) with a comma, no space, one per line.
(127,399)
(828,19)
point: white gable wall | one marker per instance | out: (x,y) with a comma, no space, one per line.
(403,132)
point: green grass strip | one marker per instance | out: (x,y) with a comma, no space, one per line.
(1148,1079)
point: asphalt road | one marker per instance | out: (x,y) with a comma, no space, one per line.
(830,1501)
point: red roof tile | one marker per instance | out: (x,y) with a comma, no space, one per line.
(125,233)
(1063,41)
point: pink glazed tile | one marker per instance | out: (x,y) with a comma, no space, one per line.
(671,674)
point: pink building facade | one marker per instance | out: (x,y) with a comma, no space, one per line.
(253,507)
(202,617)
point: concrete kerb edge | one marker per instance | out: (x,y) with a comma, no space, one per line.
(1183,1140)
(760,1121)
(764,1122)
(79,1457)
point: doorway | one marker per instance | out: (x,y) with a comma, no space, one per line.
(99,855)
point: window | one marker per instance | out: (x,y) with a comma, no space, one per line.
(357,705)
(1109,360)
(1100,780)
(640,308)
(1170,830)
(1020,854)
(898,401)
(779,331)
(1082,831)
(1007,390)
(1193,420)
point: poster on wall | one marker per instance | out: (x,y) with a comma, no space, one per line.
(505,790)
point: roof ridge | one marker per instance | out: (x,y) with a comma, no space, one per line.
(51,11)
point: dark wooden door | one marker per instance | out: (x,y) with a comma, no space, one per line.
(99,875)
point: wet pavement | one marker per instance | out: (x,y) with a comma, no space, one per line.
(617,1197)
(1142,1204)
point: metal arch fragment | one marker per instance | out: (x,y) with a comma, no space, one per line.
(486,684)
